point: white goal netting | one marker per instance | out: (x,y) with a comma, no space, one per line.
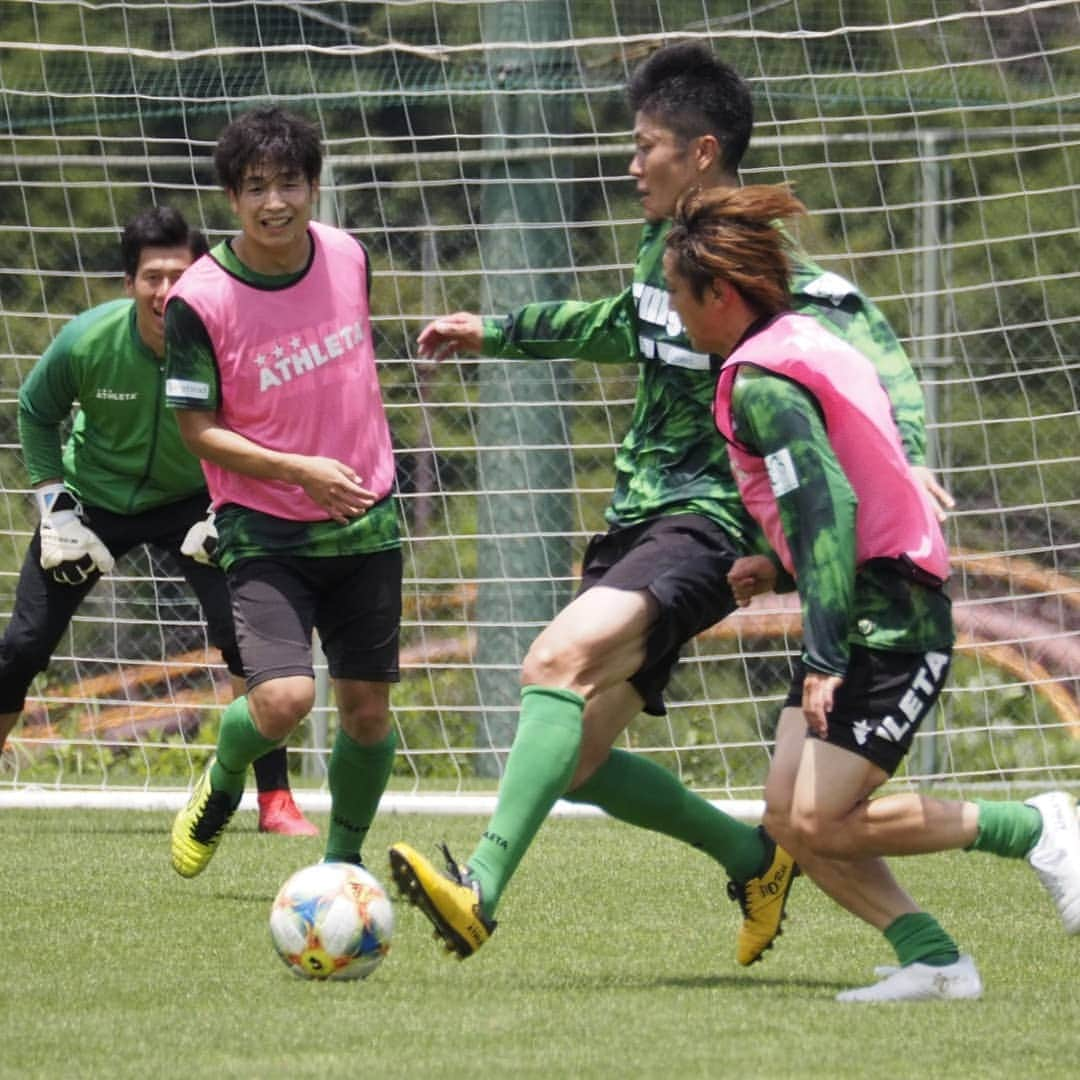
(480,152)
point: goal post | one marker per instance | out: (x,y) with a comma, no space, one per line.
(480,152)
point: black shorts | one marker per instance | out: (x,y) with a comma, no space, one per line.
(44,608)
(354,601)
(881,702)
(683,561)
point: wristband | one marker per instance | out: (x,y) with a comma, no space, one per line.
(54,498)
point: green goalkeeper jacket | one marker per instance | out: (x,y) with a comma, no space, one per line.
(124,452)
(672,459)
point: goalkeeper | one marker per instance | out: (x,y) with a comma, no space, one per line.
(123,478)
(659,575)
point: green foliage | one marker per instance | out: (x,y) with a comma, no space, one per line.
(154,756)
(717,735)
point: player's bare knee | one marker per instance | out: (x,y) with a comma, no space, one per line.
(545,665)
(277,709)
(365,722)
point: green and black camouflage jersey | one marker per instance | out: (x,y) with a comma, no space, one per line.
(877,605)
(672,459)
(835,303)
(243,532)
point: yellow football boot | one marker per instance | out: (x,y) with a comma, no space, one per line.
(762,899)
(198,826)
(450,900)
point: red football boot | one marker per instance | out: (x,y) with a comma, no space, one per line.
(278,813)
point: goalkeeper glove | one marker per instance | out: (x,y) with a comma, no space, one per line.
(200,543)
(69,549)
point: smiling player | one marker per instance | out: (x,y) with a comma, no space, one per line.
(271,370)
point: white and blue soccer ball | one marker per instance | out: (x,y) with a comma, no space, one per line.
(332,921)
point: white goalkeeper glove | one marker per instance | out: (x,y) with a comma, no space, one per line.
(69,549)
(200,543)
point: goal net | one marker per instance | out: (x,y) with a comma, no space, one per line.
(480,151)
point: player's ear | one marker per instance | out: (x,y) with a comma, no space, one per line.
(129,285)
(707,153)
(721,290)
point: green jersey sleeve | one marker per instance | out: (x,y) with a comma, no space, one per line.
(602,331)
(840,307)
(671,460)
(191,373)
(774,415)
(45,401)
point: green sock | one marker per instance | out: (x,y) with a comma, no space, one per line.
(919,938)
(637,790)
(357,776)
(541,763)
(239,744)
(1010,829)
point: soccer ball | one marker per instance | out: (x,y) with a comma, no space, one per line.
(332,921)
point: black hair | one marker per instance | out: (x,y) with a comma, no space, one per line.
(689,90)
(267,135)
(158,226)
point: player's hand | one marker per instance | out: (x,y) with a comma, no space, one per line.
(201,541)
(460,332)
(73,552)
(818,693)
(335,487)
(940,500)
(751,575)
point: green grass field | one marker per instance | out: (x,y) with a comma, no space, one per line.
(614,958)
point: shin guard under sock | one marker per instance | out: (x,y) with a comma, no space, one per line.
(541,763)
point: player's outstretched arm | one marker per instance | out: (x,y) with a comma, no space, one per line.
(461,332)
